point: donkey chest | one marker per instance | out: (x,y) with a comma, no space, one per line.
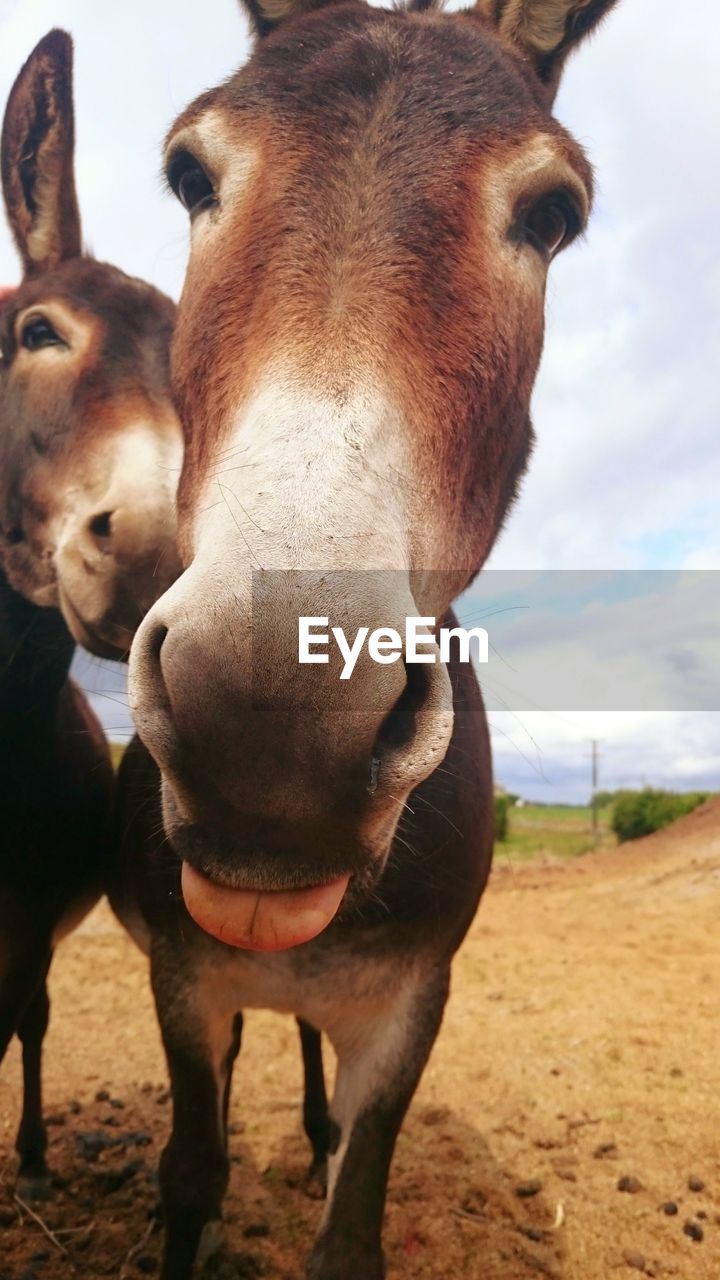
(323,994)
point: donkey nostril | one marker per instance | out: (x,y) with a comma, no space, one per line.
(156,642)
(399,727)
(100,528)
(149,695)
(15,537)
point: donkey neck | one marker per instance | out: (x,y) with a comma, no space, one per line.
(36,650)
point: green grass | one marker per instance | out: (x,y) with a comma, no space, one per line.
(555,830)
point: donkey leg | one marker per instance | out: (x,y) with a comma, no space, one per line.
(201,1047)
(9,1014)
(316,1116)
(20,978)
(379,1067)
(24,1010)
(31,1144)
(230,1058)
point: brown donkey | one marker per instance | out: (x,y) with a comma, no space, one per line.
(90,445)
(375,201)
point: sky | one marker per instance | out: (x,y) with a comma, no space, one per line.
(627,466)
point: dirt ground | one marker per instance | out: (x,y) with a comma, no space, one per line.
(581,1047)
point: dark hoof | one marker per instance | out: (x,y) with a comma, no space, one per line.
(315,1186)
(34,1188)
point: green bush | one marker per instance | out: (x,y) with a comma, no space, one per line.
(502,806)
(605,798)
(639,813)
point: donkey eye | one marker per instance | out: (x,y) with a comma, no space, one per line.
(39,333)
(191,184)
(550,224)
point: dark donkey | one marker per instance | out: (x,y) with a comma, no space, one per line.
(375,200)
(85,412)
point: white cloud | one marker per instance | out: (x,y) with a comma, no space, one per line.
(615,641)
(626,408)
(546,756)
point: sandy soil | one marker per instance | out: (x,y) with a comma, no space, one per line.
(580,1048)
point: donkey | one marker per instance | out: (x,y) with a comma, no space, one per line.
(56,784)
(90,444)
(375,199)
(85,413)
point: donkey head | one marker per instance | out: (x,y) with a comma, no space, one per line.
(90,445)
(375,200)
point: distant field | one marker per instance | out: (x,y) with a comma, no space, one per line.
(560,831)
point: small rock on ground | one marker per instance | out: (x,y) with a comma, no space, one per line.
(525,1190)
(634,1260)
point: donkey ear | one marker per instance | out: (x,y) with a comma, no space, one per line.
(37,157)
(266,15)
(546,30)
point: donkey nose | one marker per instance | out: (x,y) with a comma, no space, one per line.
(267,735)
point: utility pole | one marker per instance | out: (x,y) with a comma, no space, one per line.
(595,757)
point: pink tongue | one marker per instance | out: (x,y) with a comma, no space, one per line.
(260,921)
